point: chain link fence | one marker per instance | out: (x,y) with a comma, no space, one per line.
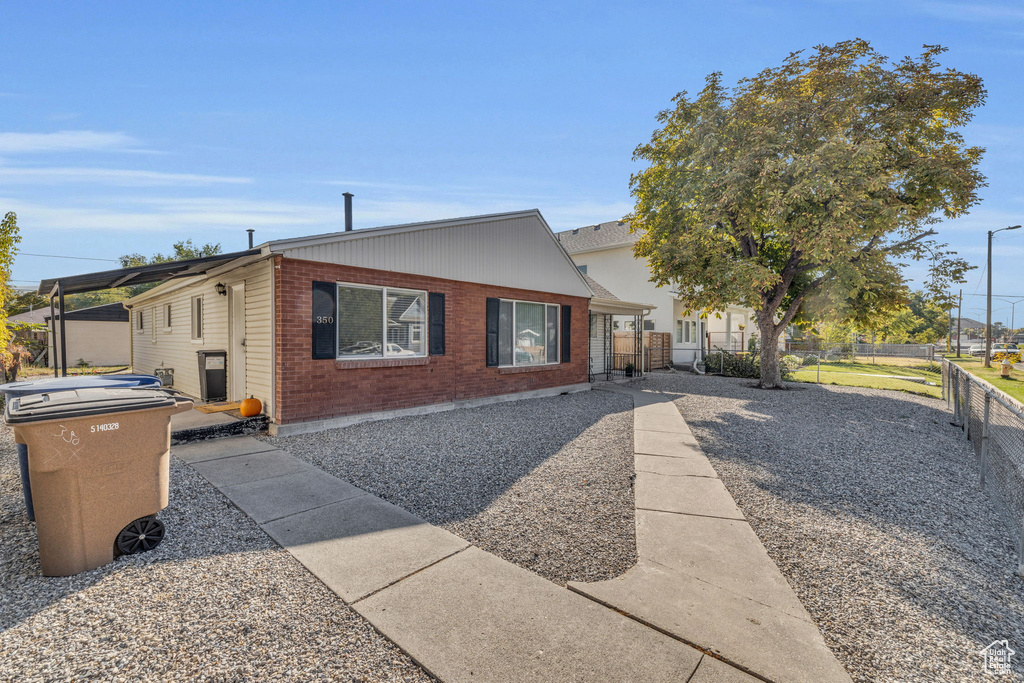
(994,426)
(902,367)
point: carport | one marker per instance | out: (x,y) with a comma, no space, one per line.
(57,288)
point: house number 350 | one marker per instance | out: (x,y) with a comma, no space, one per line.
(325,319)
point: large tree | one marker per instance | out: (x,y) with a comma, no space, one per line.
(802,191)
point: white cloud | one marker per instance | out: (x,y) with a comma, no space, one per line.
(106,176)
(65,141)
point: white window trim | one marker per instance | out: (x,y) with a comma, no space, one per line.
(192,319)
(558,342)
(384,322)
(167,318)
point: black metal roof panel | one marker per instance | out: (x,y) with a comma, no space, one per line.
(113,312)
(139,275)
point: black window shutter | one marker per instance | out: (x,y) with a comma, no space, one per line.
(566,333)
(436,332)
(493,308)
(325,324)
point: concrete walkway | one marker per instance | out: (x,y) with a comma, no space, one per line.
(461,613)
(703,575)
(704,583)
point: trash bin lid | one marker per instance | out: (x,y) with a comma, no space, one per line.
(81,402)
(49,384)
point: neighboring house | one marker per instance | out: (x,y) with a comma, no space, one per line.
(22,332)
(605,252)
(99,335)
(328,327)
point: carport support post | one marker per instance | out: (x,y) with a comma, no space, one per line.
(53,337)
(984,438)
(63,338)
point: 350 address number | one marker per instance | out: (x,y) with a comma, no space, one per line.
(324,319)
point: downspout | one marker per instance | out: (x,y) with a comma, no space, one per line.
(53,337)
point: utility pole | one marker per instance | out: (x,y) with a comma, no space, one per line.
(959,319)
(988,298)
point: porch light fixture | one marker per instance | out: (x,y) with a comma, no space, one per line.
(221,289)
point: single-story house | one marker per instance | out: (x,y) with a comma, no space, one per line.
(416,317)
(98,335)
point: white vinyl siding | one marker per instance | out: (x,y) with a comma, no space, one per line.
(176,349)
(490,252)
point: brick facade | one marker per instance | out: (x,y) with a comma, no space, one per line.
(308,389)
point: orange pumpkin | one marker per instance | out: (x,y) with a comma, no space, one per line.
(250,407)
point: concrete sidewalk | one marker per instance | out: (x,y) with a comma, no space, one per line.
(462,613)
(703,575)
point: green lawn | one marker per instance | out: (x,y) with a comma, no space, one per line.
(874,377)
(1014,386)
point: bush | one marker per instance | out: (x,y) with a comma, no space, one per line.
(1014,358)
(733,366)
(811,359)
(790,362)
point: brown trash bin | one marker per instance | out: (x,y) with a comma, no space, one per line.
(98,464)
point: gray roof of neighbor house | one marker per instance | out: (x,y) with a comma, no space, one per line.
(39,315)
(966,324)
(595,237)
(599,290)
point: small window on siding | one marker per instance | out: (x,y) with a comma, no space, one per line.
(648,325)
(197,317)
(167,316)
(152,325)
(140,324)
(679,331)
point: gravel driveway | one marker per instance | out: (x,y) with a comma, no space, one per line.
(868,502)
(544,483)
(217,600)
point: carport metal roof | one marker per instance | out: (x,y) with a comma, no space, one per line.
(138,275)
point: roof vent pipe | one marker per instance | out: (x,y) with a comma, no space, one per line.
(348,211)
(250,231)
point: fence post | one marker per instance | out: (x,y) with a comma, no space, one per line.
(984,438)
(818,378)
(967,409)
(956,395)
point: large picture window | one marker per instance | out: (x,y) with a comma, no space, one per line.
(527,333)
(381,322)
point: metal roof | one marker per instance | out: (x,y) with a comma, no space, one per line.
(112,312)
(139,275)
(594,237)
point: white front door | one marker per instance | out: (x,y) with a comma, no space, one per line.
(236,350)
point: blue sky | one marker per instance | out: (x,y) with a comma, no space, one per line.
(125,127)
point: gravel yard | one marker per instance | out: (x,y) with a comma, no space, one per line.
(868,502)
(217,600)
(544,483)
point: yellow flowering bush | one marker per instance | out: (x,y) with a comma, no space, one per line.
(1000,356)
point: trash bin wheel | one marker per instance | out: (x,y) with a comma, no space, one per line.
(140,536)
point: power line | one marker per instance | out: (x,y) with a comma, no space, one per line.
(80,258)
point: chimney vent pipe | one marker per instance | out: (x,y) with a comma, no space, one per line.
(250,231)
(348,211)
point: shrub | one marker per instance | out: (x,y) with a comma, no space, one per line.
(811,359)
(732,365)
(1014,358)
(790,362)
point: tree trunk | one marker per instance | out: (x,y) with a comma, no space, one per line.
(771,373)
